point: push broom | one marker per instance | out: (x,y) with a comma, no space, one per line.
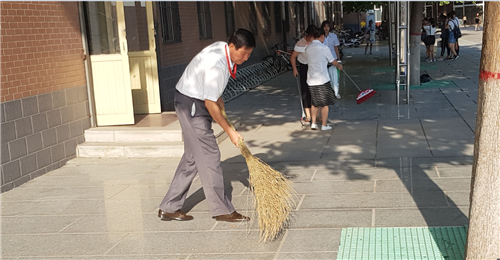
(274,196)
(364,95)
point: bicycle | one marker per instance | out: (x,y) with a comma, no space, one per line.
(280,60)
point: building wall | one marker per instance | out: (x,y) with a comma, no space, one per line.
(44,106)
(174,57)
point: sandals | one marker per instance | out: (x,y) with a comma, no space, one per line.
(305,121)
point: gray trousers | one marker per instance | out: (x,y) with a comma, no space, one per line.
(201,156)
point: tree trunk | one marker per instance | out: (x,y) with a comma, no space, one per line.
(416,15)
(483,237)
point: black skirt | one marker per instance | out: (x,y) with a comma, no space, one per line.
(322,95)
(430,40)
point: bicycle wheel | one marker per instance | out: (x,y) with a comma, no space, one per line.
(273,63)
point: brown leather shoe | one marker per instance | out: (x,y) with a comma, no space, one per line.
(233,217)
(178,215)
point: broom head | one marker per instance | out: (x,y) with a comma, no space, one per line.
(365,95)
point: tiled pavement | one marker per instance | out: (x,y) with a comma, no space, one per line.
(382,165)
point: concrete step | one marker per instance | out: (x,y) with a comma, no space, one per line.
(132,135)
(137,142)
(135,150)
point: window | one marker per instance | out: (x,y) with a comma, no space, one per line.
(277,17)
(204,20)
(266,12)
(229,10)
(252,18)
(170,22)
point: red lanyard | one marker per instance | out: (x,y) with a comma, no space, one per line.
(233,73)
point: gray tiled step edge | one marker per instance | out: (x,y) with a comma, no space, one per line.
(136,143)
(135,150)
(131,135)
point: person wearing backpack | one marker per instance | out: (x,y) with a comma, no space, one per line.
(443,20)
(452,26)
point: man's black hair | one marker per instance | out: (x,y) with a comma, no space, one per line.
(242,38)
(318,32)
(451,14)
(310,29)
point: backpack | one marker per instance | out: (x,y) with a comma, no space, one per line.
(456,31)
(424,78)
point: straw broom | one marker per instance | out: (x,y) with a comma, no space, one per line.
(274,196)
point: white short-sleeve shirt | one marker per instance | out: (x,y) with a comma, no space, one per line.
(331,41)
(300,47)
(207,74)
(318,57)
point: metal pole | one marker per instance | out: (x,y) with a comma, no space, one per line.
(283,21)
(408,52)
(389,26)
(342,15)
(398,43)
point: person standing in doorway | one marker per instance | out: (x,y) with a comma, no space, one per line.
(476,20)
(318,57)
(299,55)
(197,101)
(332,42)
(370,29)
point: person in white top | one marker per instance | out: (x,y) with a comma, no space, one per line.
(318,57)
(452,23)
(370,31)
(332,42)
(299,54)
(430,38)
(197,101)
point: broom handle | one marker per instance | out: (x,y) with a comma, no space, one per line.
(226,118)
(243,147)
(352,80)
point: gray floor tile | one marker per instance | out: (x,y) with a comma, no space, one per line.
(465,171)
(35,224)
(450,216)
(371,200)
(324,187)
(12,208)
(193,242)
(63,193)
(308,255)
(458,198)
(59,244)
(311,240)
(246,256)
(331,218)
(138,223)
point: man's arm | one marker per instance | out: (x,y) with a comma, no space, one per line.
(337,52)
(214,108)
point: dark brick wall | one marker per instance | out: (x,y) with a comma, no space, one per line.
(40,133)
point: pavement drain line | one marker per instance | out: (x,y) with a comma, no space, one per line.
(439,243)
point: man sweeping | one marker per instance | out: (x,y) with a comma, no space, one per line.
(197,101)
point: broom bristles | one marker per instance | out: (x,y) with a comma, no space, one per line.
(274,196)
